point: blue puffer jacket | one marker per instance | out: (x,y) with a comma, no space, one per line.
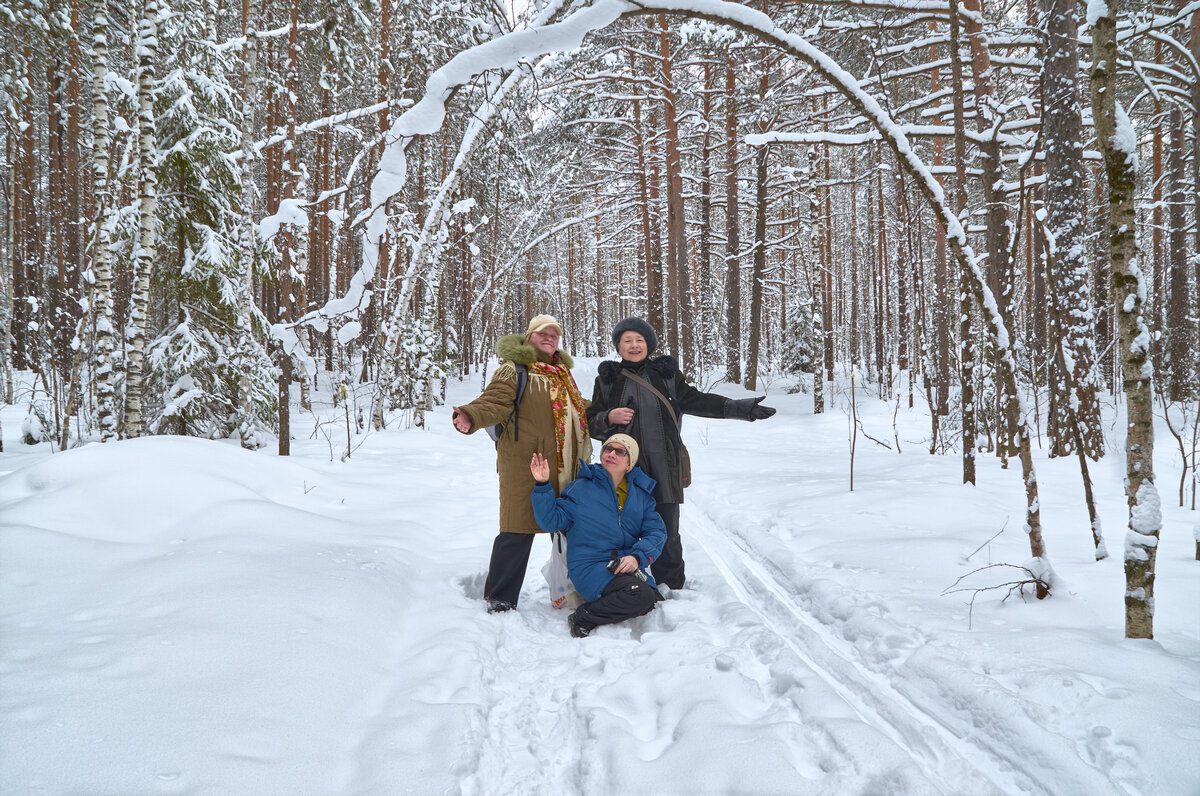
(595,527)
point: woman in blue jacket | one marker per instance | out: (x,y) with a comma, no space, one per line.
(613,533)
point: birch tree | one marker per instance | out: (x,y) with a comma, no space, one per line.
(1118,143)
(147,50)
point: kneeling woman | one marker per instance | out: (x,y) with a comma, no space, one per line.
(613,533)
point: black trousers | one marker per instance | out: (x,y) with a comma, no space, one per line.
(668,567)
(506,571)
(625,597)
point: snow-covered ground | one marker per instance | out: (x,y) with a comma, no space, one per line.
(184,617)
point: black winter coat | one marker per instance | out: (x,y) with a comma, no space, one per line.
(656,434)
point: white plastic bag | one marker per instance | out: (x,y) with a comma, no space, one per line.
(562,591)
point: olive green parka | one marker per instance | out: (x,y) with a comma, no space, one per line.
(532,431)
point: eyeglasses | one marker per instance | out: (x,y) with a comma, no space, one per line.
(624,454)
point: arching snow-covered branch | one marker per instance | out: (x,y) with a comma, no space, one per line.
(505,51)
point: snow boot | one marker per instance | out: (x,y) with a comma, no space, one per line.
(499,606)
(578,629)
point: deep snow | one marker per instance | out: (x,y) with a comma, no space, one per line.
(180,616)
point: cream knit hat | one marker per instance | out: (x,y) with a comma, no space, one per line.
(540,322)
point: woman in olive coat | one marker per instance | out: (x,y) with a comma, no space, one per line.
(551,420)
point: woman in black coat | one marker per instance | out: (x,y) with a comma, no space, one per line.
(622,404)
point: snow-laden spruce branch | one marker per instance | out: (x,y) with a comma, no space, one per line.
(277,33)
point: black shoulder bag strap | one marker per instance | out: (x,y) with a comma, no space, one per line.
(631,375)
(685,458)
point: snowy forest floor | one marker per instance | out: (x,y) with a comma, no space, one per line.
(184,617)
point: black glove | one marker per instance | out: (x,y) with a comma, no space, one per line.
(748,409)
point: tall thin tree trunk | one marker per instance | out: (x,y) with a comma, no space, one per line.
(812,197)
(1065,219)
(1181,343)
(965,340)
(682,322)
(706,288)
(760,267)
(148,155)
(1119,147)
(247,243)
(733,277)
(106,409)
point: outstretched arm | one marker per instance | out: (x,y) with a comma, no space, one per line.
(492,406)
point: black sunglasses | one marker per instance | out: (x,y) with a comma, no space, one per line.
(615,449)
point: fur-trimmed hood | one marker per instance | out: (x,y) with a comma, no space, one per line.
(516,349)
(664,365)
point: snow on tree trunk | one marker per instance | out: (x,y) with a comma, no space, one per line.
(760,267)
(1118,143)
(818,323)
(247,242)
(733,242)
(147,51)
(965,338)
(1066,221)
(101,306)
(1180,329)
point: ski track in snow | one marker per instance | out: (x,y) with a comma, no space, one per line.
(327,635)
(991,748)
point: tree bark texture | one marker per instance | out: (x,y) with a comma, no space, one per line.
(1115,137)
(1070,277)
(147,244)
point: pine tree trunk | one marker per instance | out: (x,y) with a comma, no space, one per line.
(643,200)
(706,322)
(682,322)
(1066,221)
(827,271)
(760,267)
(1181,342)
(148,157)
(942,291)
(247,243)
(903,258)
(1119,147)
(965,340)
(818,322)
(733,278)
(1194,46)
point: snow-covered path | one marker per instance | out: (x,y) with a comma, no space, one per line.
(183,617)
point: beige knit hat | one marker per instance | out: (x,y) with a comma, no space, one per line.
(540,322)
(628,443)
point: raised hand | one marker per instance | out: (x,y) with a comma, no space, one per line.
(539,468)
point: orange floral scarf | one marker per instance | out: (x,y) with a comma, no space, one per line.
(562,390)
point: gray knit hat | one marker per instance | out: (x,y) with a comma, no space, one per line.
(639,326)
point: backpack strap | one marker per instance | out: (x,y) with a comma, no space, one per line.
(497,431)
